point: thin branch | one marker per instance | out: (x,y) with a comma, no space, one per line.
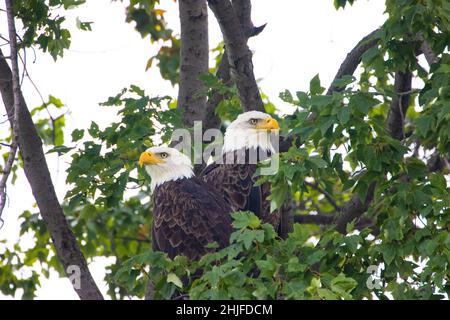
(4,179)
(425,48)
(320,219)
(14,121)
(14,68)
(328,219)
(4,39)
(325,193)
(8,119)
(133,239)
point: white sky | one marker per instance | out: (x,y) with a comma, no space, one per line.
(302,38)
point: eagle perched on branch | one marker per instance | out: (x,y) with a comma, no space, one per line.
(188,214)
(249,135)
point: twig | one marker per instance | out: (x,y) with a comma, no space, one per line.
(328,219)
(3,181)
(5,39)
(133,239)
(15,121)
(7,120)
(325,193)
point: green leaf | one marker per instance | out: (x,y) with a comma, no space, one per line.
(344,282)
(362,102)
(317,161)
(173,278)
(327,294)
(438,181)
(370,54)
(343,115)
(245,219)
(388,251)
(315,257)
(60,149)
(344,81)
(77,134)
(314,86)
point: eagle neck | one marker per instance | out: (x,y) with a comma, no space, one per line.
(162,174)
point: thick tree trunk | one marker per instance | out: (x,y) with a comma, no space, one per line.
(193,60)
(38,175)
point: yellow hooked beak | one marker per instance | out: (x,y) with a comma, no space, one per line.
(148,158)
(268,124)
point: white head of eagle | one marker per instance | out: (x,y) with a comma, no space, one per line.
(251,129)
(165,164)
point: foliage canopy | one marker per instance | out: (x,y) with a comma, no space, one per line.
(347,149)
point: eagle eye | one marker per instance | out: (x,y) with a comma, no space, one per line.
(163,155)
(253,121)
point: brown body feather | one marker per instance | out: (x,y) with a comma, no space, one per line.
(188,215)
(235,181)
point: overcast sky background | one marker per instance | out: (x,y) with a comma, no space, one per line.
(302,38)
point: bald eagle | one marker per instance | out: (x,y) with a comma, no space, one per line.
(248,135)
(188,214)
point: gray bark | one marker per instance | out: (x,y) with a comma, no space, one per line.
(238,53)
(193,59)
(353,59)
(38,176)
(242,9)
(347,67)
(399,105)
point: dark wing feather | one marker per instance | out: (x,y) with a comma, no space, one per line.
(236,183)
(187,216)
(233,181)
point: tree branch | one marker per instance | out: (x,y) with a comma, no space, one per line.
(354,209)
(399,105)
(327,219)
(211,120)
(353,59)
(321,219)
(5,175)
(14,117)
(347,67)
(325,193)
(425,48)
(38,176)
(238,53)
(287,218)
(242,9)
(194,55)
(395,125)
